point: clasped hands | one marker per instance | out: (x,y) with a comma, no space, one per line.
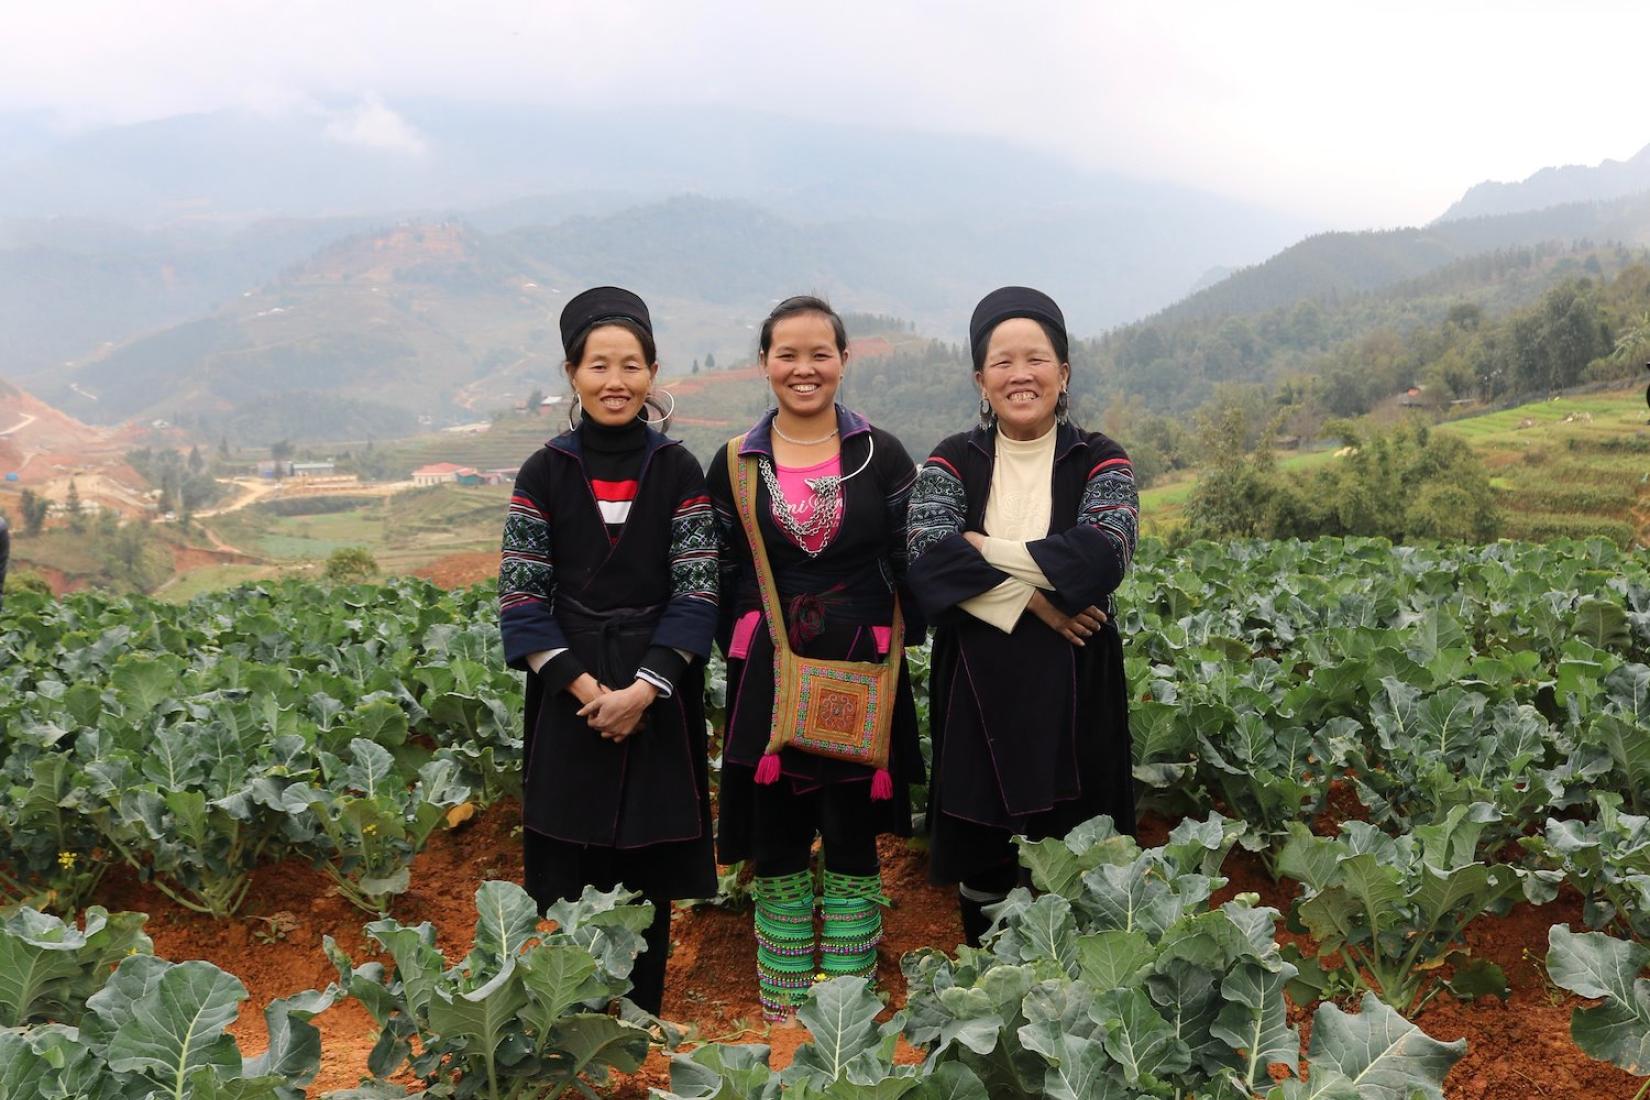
(1073,628)
(615,714)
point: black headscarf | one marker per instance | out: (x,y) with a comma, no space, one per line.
(1004,303)
(602,303)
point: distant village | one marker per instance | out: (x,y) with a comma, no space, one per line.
(435,473)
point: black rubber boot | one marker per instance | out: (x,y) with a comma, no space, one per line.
(974,920)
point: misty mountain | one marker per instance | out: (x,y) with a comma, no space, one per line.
(1114,247)
(69,286)
(1330,266)
(1572,183)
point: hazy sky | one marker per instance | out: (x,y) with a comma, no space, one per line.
(1362,115)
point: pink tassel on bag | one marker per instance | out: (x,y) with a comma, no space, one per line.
(882,786)
(767,772)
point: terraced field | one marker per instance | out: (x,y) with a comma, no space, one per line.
(1571,467)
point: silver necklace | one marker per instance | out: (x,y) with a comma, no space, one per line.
(827,492)
(803,442)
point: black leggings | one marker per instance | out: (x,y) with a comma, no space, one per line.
(555,870)
(788,821)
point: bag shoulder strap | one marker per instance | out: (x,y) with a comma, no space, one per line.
(743,469)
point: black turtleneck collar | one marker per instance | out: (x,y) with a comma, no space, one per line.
(613,438)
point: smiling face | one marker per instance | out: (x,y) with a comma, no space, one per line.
(803,364)
(613,376)
(1022,378)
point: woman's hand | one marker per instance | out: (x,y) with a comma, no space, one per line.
(976,540)
(617,714)
(586,689)
(1073,628)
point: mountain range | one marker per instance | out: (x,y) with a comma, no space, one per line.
(1611,179)
(287,283)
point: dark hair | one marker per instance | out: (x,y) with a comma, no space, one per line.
(650,351)
(795,306)
(1056,337)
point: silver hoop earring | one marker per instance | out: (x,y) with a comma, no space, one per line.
(664,415)
(572,424)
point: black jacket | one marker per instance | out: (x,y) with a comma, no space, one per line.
(1030,732)
(563,583)
(5,556)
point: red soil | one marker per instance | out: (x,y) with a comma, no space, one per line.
(459,570)
(1518,1050)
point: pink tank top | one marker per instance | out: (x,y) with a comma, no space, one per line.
(800,499)
(793,480)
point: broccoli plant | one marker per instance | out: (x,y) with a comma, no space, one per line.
(523,1015)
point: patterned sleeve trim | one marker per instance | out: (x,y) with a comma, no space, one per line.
(525,573)
(693,556)
(937,507)
(1111,505)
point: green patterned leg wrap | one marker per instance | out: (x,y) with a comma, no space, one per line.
(784,942)
(852,908)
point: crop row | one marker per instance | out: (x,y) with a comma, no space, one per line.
(1416,737)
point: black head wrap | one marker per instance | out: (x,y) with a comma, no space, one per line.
(601,303)
(1004,303)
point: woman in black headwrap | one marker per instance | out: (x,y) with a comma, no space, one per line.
(607,599)
(1020,530)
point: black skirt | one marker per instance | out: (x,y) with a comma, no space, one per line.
(636,812)
(970,829)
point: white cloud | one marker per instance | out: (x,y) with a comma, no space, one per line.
(374,125)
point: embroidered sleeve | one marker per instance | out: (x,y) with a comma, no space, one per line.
(693,556)
(688,625)
(527,583)
(936,507)
(525,572)
(1111,505)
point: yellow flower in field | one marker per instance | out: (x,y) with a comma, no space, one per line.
(66,860)
(369,830)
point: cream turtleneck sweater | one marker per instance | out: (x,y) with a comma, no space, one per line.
(1016,512)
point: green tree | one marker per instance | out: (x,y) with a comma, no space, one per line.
(1405,485)
(126,550)
(35,508)
(71,504)
(349,564)
(710,361)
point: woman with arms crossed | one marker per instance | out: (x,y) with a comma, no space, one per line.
(826,493)
(1019,532)
(607,597)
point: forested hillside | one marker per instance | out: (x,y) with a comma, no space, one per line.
(1331,266)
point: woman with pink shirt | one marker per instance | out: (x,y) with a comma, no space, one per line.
(829,493)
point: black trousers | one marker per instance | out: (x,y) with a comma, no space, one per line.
(555,870)
(788,820)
